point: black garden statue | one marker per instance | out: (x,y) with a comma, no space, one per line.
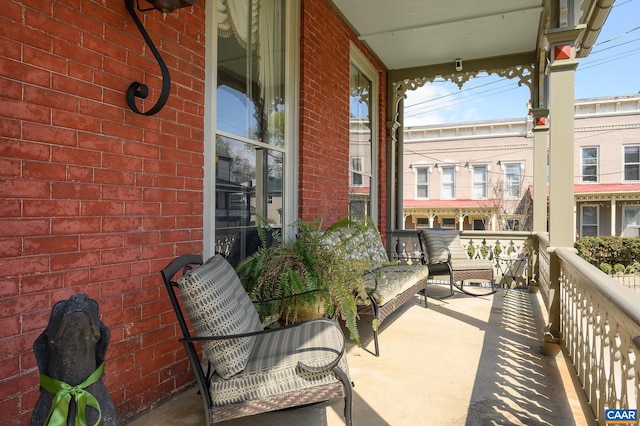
(70,353)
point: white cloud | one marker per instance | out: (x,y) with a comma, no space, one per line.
(424,105)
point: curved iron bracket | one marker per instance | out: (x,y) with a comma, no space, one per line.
(140,90)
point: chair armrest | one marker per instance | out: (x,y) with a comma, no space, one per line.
(448,255)
(423,253)
(314,369)
(442,262)
(332,364)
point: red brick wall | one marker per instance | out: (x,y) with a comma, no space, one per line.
(96,198)
(324,115)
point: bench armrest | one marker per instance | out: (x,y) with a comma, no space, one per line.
(375,280)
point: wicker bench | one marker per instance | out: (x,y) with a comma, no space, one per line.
(250,370)
(389,284)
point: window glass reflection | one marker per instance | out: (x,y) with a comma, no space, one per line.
(360,136)
(250,117)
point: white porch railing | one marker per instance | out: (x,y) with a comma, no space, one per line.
(600,329)
(632,282)
(542,262)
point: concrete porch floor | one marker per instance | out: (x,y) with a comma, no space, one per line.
(463,361)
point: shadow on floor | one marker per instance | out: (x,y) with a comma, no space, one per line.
(516,384)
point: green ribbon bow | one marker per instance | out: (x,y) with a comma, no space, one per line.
(63,393)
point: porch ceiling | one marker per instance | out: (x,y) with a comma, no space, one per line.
(414,33)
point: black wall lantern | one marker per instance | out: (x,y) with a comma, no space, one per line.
(139,90)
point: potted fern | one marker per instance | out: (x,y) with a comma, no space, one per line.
(302,267)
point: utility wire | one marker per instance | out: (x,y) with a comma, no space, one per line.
(609,59)
(620,4)
(452,94)
(615,38)
(438,107)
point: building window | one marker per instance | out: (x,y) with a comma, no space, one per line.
(589,221)
(548,165)
(512,179)
(422,222)
(478,225)
(363,135)
(448,183)
(422,182)
(448,223)
(589,159)
(269,199)
(512,225)
(631,221)
(479,183)
(632,163)
(356,171)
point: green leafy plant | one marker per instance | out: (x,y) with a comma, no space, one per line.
(606,268)
(618,268)
(609,249)
(307,264)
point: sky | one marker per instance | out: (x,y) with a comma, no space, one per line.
(612,69)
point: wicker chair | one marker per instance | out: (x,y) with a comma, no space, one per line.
(250,370)
(445,255)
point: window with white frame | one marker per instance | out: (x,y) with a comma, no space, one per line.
(479,191)
(356,171)
(363,135)
(253,116)
(448,182)
(632,163)
(548,165)
(422,222)
(422,182)
(589,166)
(448,223)
(512,180)
(631,221)
(588,221)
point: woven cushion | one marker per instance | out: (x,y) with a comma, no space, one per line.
(394,279)
(217,305)
(365,245)
(470,264)
(273,368)
(437,241)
